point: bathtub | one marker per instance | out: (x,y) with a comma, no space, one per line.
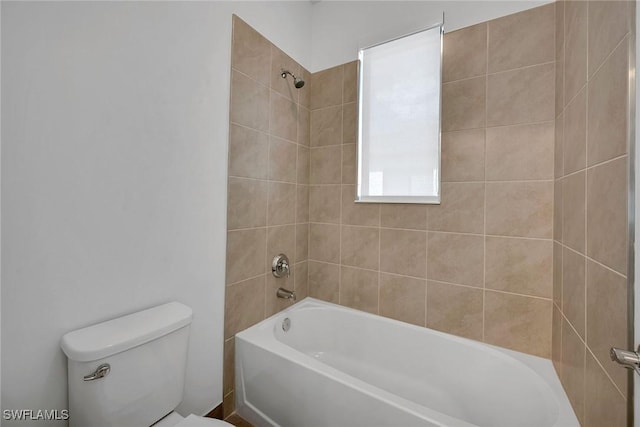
(329,365)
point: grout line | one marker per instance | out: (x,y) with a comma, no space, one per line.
(484,207)
(594,261)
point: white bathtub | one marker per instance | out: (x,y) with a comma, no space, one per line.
(341,367)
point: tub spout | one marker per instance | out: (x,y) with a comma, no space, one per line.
(286,294)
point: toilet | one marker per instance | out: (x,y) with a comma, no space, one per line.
(130,371)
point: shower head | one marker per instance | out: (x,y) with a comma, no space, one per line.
(297,82)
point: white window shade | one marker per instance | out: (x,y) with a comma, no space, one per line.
(399,123)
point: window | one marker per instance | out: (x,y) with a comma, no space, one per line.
(399,122)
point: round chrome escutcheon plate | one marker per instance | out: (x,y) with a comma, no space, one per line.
(286,324)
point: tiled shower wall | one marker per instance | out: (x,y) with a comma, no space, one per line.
(268,197)
(590,238)
(480,264)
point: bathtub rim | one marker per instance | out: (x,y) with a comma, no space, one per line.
(257,335)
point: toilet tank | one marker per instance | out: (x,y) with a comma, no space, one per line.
(146,353)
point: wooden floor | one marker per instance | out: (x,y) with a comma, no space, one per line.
(238,421)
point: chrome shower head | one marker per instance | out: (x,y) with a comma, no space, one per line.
(297,82)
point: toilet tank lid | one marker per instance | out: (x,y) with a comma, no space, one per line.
(120,334)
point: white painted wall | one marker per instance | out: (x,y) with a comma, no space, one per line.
(114,165)
(341,28)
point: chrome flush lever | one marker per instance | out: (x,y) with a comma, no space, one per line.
(101,371)
(626,358)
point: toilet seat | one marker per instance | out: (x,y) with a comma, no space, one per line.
(176,420)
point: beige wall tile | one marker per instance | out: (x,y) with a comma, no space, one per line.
(282,160)
(403,298)
(572,373)
(575,56)
(326,88)
(560,5)
(350,88)
(573,207)
(358,213)
(228,404)
(326,165)
(522,266)
(249,102)
(463,104)
(556,340)
(248,152)
(608,24)
(574,289)
(519,323)
(455,309)
(607,214)
(280,240)
(244,305)
(521,96)
(324,281)
(403,252)
(246,253)
(359,247)
(350,122)
(522,209)
(324,203)
(559,147)
(463,155)
(349,164)
(281,61)
(607,317)
(229,368)
(557,210)
(604,406)
(326,126)
(250,53)
(522,39)
(359,289)
(461,208)
(302,242)
(246,203)
(301,285)
(607,111)
(303,165)
(557,273)
(403,216)
(324,242)
(302,203)
(456,258)
(283,117)
(520,152)
(304,98)
(281,203)
(575,134)
(464,53)
(304,126)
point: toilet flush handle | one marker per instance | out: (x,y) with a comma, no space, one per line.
(100,372)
